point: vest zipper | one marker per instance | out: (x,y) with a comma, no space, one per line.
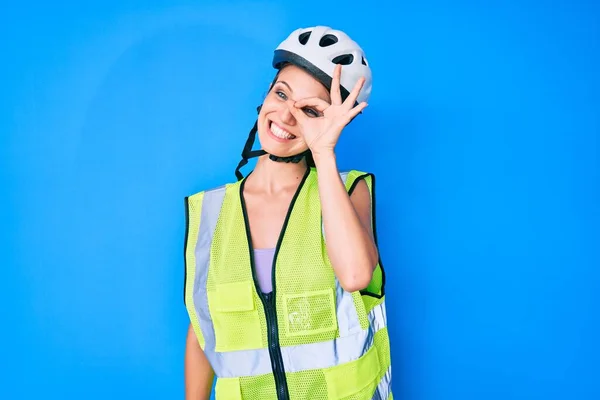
(268,299)
(274,349)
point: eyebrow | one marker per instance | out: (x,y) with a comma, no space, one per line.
(285,83)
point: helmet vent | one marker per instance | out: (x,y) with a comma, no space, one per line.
(303,38)
(328,40)
(344,59)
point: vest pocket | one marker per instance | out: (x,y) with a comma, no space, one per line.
(310,313)
(352,378)
(228,389)
(235,317)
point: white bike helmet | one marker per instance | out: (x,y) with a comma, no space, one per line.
(317,50)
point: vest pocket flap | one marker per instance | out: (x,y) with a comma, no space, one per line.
(351,378)
(232,297)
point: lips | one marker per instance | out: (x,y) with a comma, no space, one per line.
(280,133)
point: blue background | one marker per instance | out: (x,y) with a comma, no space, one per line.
(483,131)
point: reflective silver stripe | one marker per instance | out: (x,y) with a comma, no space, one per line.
(234,364)
(348,322)
(378,317)
(302,357)
(385,386)
(344,176)
(211,208)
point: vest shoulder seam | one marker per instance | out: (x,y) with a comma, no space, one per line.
(217,189)
(212,190)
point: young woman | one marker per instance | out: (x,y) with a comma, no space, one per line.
(284,286)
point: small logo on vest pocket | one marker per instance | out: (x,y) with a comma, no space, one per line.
(300,320)
(310,313)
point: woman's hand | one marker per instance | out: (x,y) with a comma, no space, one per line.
(321,129)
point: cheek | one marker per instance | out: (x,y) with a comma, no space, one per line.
(262,116)
(263,125)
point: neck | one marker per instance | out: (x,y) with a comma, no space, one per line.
(273,177)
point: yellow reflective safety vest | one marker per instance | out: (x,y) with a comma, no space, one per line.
(308,338)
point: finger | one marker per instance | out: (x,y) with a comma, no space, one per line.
(355,111)
(336,97)
(314,102)
(296,112)
(351,99)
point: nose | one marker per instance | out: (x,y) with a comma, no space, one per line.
(286,114)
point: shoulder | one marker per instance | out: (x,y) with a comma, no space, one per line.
(357,181)
(213,191)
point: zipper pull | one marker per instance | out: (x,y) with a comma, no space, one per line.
(268,298)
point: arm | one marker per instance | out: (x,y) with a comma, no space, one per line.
(198,372)
(347,223)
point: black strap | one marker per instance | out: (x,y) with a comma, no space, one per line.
(247,152)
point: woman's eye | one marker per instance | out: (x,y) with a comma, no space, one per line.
(281,94)
(310,112)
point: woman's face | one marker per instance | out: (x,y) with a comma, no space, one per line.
(278,130)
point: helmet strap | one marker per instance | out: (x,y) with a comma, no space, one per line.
(290,159)
(247,152)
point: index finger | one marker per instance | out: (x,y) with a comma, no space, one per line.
(315,102)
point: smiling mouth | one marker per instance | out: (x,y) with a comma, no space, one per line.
(279,132)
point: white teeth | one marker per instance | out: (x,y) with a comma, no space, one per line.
(280,133)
